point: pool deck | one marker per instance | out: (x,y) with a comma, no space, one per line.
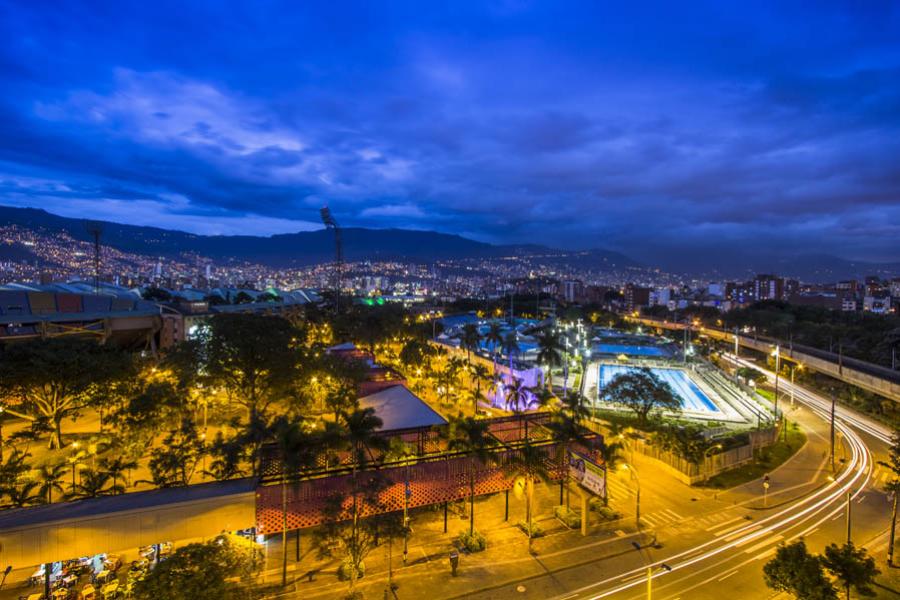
(726,412)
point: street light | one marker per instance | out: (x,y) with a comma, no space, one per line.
(777,355)
(661,567)
(637,510)
(798,367)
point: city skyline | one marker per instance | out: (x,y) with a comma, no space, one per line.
(671,136)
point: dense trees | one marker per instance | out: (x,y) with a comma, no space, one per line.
(796,571)
(861,335)
(55,379)
(217,570)
(254,358)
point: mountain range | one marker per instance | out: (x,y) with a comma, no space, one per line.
(360,244)
(302,248)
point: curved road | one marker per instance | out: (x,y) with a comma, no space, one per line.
(721,551)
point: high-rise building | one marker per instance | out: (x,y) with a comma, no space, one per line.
(768,287)
(636,296)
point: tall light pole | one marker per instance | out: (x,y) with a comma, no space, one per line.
(706,456)
(798,367)
(777,355)
(637,497)
(832,429)
(650,569)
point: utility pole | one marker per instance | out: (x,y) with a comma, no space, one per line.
(849,505)
(832,429)
(896,490)
(777,370)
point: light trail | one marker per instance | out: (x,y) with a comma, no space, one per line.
(853,479)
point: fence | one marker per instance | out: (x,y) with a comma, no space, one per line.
(426,482)
(691,473)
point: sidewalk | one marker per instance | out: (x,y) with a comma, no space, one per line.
(664,501)
(427,573)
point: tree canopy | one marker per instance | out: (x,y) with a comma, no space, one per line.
(55,378)
(254,357)
(217,570)
(642,392)
(795,571)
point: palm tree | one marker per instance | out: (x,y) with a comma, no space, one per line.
(469,339)
(296,452)
(471,437)
(480,374)
(95,484)
(51,478)
(363,439)
(494,337)
(573,409)
(518,395)
(116,468)
(476,397)
(565,431)
(549,351)
(511,347)
(612,457)
(24,495)
(530,463)
(361,434)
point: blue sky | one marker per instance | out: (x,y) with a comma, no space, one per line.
(669,131)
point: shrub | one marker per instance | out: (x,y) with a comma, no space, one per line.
(344,571)
(472,543)
(536,529)
(604,512)
(569,517)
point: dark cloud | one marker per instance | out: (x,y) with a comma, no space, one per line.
(666,131)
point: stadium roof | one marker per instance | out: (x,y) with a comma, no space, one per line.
(398,408)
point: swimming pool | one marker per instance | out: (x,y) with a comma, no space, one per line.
(692,398)
(629,350)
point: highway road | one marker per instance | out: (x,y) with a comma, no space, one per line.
(718,550)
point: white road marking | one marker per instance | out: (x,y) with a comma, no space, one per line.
(740,534)
(724,523)
(728,530)
(763,544)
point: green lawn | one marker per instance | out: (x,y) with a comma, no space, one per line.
(767,394)
(767,459)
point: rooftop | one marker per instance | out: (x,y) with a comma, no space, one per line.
(399,409)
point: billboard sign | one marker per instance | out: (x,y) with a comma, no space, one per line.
(587,473)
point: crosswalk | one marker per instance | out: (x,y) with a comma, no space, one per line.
(661,518)
(880,477)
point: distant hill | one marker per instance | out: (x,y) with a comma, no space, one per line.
(305,248)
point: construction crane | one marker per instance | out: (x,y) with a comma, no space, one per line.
(330,223)
(95,228)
